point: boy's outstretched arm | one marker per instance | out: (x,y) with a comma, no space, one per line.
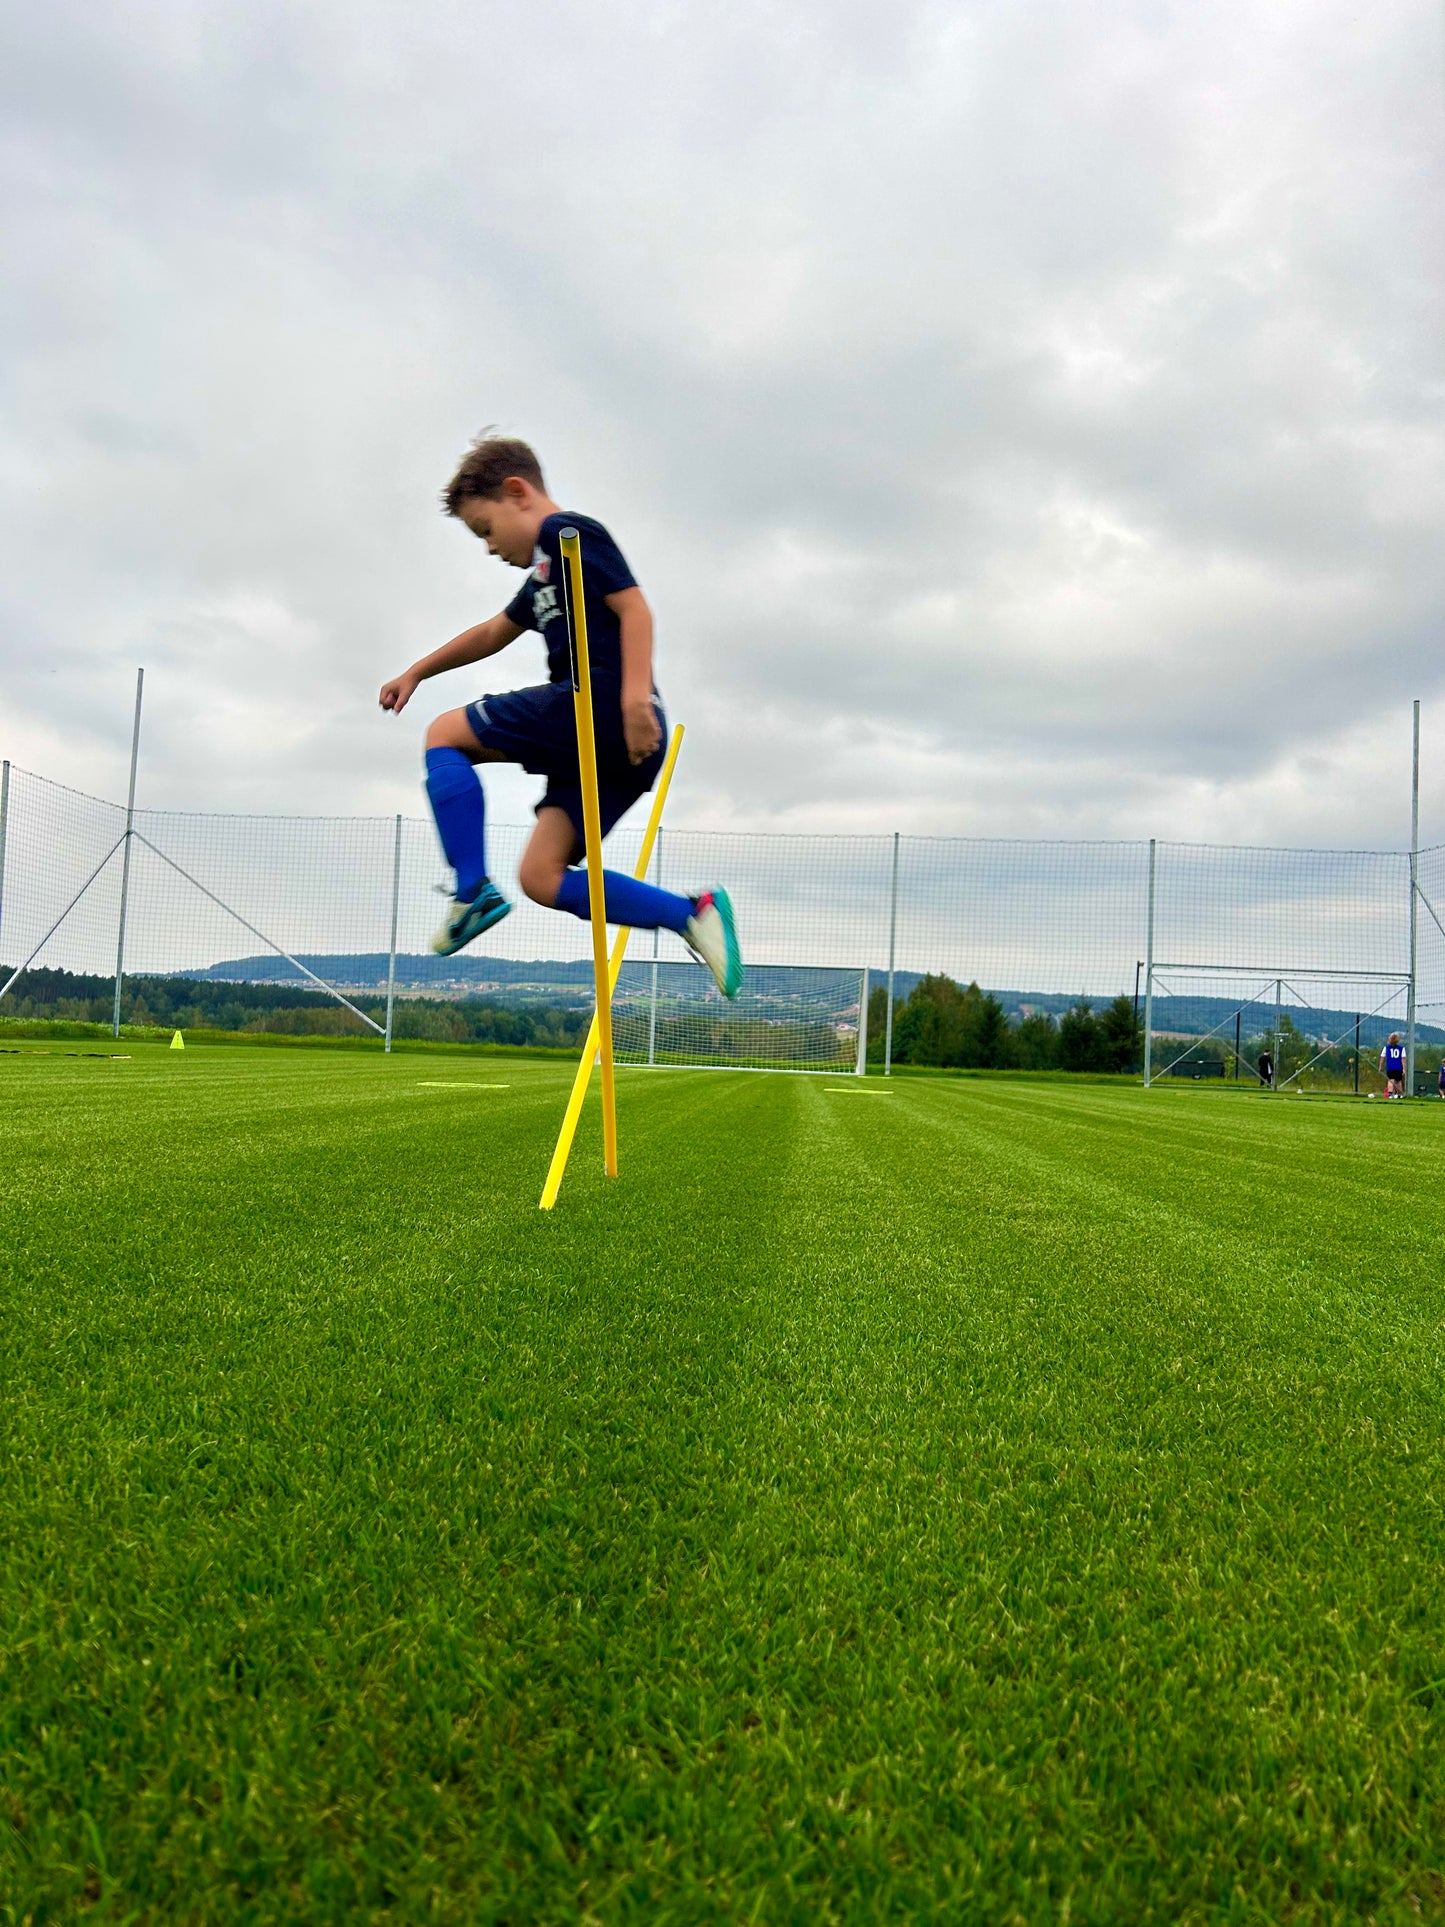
(639,719)
(470,646)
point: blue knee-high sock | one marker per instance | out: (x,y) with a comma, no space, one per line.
(639,905)
(455,794)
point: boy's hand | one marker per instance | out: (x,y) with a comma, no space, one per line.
(395,695)
(639,728)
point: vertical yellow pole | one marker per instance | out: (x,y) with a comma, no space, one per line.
(592,838)
(557,1168)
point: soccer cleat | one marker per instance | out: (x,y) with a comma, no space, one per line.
(712,937)
(468,920)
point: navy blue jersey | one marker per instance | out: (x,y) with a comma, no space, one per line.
(540,603)
(1394,1060)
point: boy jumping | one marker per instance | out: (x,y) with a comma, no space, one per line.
(499,493)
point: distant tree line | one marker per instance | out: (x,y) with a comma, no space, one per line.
(940,1023)
(951,1025)
(186,1003)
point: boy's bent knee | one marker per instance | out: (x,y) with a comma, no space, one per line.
(540,880)
(453,731)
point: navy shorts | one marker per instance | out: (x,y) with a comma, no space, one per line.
(537,728)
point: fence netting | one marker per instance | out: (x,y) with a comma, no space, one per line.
(269,898)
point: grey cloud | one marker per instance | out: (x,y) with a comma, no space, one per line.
(1020,418)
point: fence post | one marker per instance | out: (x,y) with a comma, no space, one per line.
(140,675)
(1149,978)
(4,819)
(1414,905)
(892,953)
(652,1015)
(391,960)
(861,1067)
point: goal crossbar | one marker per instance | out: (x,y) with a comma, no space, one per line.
(1286,971)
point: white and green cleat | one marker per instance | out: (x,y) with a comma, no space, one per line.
(712,937)
(466,920)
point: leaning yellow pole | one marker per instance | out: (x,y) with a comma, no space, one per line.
(558,1166)
(592,837)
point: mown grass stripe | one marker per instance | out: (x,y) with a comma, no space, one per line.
(1015,1498)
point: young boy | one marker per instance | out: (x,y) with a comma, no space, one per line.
(499,494)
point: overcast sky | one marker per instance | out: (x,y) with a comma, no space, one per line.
(1024,417)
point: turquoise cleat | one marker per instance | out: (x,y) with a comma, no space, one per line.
(712,937)
(466,921)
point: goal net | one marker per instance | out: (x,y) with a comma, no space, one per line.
(787,1017)
(1320,1028)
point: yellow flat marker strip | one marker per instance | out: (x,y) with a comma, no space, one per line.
(557,1169)
(844,1090)
(456,1084)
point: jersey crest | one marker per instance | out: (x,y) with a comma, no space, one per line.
(541,564)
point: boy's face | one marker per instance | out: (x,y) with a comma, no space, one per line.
(507,523)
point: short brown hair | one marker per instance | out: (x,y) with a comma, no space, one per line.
(486,465)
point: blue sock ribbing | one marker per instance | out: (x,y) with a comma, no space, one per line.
(639,905)
(455,794)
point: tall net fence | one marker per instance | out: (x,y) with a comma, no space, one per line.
(351,903)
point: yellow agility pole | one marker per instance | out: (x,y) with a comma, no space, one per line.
(591,836)
(557,1169)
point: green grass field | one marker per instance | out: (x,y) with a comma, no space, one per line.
(962,1501)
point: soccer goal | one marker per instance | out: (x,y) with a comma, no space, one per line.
(1221,1018)
(787,1017)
